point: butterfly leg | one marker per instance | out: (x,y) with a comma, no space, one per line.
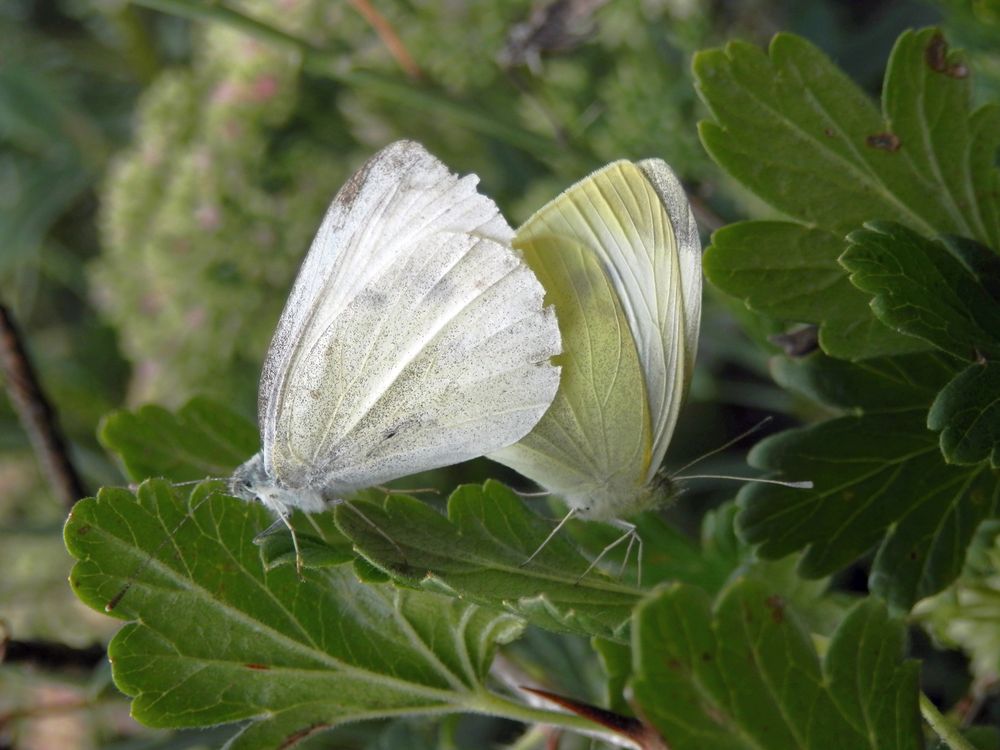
(540,493)
(282,520)
(633,540)
(295,544)
(636,541)
(548,539)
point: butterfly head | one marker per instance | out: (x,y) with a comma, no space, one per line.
(247,481)
(252,481)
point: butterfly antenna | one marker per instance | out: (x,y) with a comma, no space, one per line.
(806,485)
(723,447)
(199,481)
(132,486)
(539,493)
(141,566)
(556,530)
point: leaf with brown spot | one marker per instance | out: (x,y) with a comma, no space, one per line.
(795,131)
(777,607)
(884,141)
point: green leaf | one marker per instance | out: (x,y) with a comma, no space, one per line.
(667,553)
(745,675)
(478,553)
(790,272)
(922,289)
(967,413)
(795,130)
(879,481)
(872,385)
(980,737)
(616,660)
(791,127)
(216,636)
(951,175)
(278,548)
(203,439)
(883,705)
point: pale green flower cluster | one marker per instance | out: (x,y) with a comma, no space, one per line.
(966,614)
(205,217)
(207,214)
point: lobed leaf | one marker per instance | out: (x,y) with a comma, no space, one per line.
(967,413)
(795,130)
(879,481)
(798,133)
(216,636)
(790,272)
(872,385)
(202,439)
(744,674)
(478,553)
(920,288)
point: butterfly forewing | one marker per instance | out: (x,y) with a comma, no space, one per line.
(425,341)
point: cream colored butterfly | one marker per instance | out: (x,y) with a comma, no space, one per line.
(414,337)
(619,256)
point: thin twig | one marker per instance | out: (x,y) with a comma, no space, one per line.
(51,655)
(388,36)
(706,216)
(36,415)
(43,711)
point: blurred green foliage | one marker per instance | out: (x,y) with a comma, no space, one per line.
(160,180)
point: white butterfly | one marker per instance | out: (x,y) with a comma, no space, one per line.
(414,337)
(619,256)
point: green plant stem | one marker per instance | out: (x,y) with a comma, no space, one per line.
(322,62)
(943,728)
(495,705)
